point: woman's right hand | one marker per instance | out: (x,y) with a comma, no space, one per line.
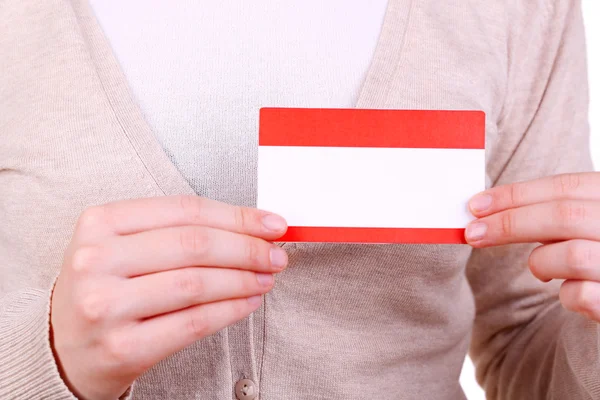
(145,278)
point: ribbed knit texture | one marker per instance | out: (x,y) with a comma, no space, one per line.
(25,327)
(344,321)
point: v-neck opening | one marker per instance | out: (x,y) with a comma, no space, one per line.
(125,107)
(140,134)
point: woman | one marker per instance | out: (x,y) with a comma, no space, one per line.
(134,265)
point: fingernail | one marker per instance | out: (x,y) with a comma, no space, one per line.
(255,301)
(274,223)
(481,202)
(278,257)
(264,279)
(476,231)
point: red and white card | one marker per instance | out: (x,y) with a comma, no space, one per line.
(371,176)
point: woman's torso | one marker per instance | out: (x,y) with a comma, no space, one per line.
(345,321)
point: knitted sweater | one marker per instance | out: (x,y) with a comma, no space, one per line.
(345,321)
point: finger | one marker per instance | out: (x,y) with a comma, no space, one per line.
(544,222)
(583,186)
(573,259)
(582,297)
(165,292)
(187,246)
(154,339)
(138,215)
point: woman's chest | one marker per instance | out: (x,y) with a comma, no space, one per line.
(75,135)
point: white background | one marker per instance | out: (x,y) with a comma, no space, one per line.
(591,8)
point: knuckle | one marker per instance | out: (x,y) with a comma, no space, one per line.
(566,184)
(516,193)
(191,207)
(242,218)
(197,325)
(507,223)
(189,285)
(194,241)
(119,348)
(93,217)
(570,214)
(85,259)
(253,252)
(94,308)
(578,256)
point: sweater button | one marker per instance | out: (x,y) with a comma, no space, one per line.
(245,389)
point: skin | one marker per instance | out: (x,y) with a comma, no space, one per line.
(142,279)
(561,212)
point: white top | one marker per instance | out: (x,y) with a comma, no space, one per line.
(200,71)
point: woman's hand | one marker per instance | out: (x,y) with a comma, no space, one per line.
(563,213)
(145,278)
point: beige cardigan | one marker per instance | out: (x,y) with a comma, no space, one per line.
(344,321)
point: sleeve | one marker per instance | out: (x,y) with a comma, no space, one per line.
(525,346)
(27,366)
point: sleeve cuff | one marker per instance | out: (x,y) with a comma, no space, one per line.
(28,369)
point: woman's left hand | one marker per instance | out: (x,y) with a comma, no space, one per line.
(561,212)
